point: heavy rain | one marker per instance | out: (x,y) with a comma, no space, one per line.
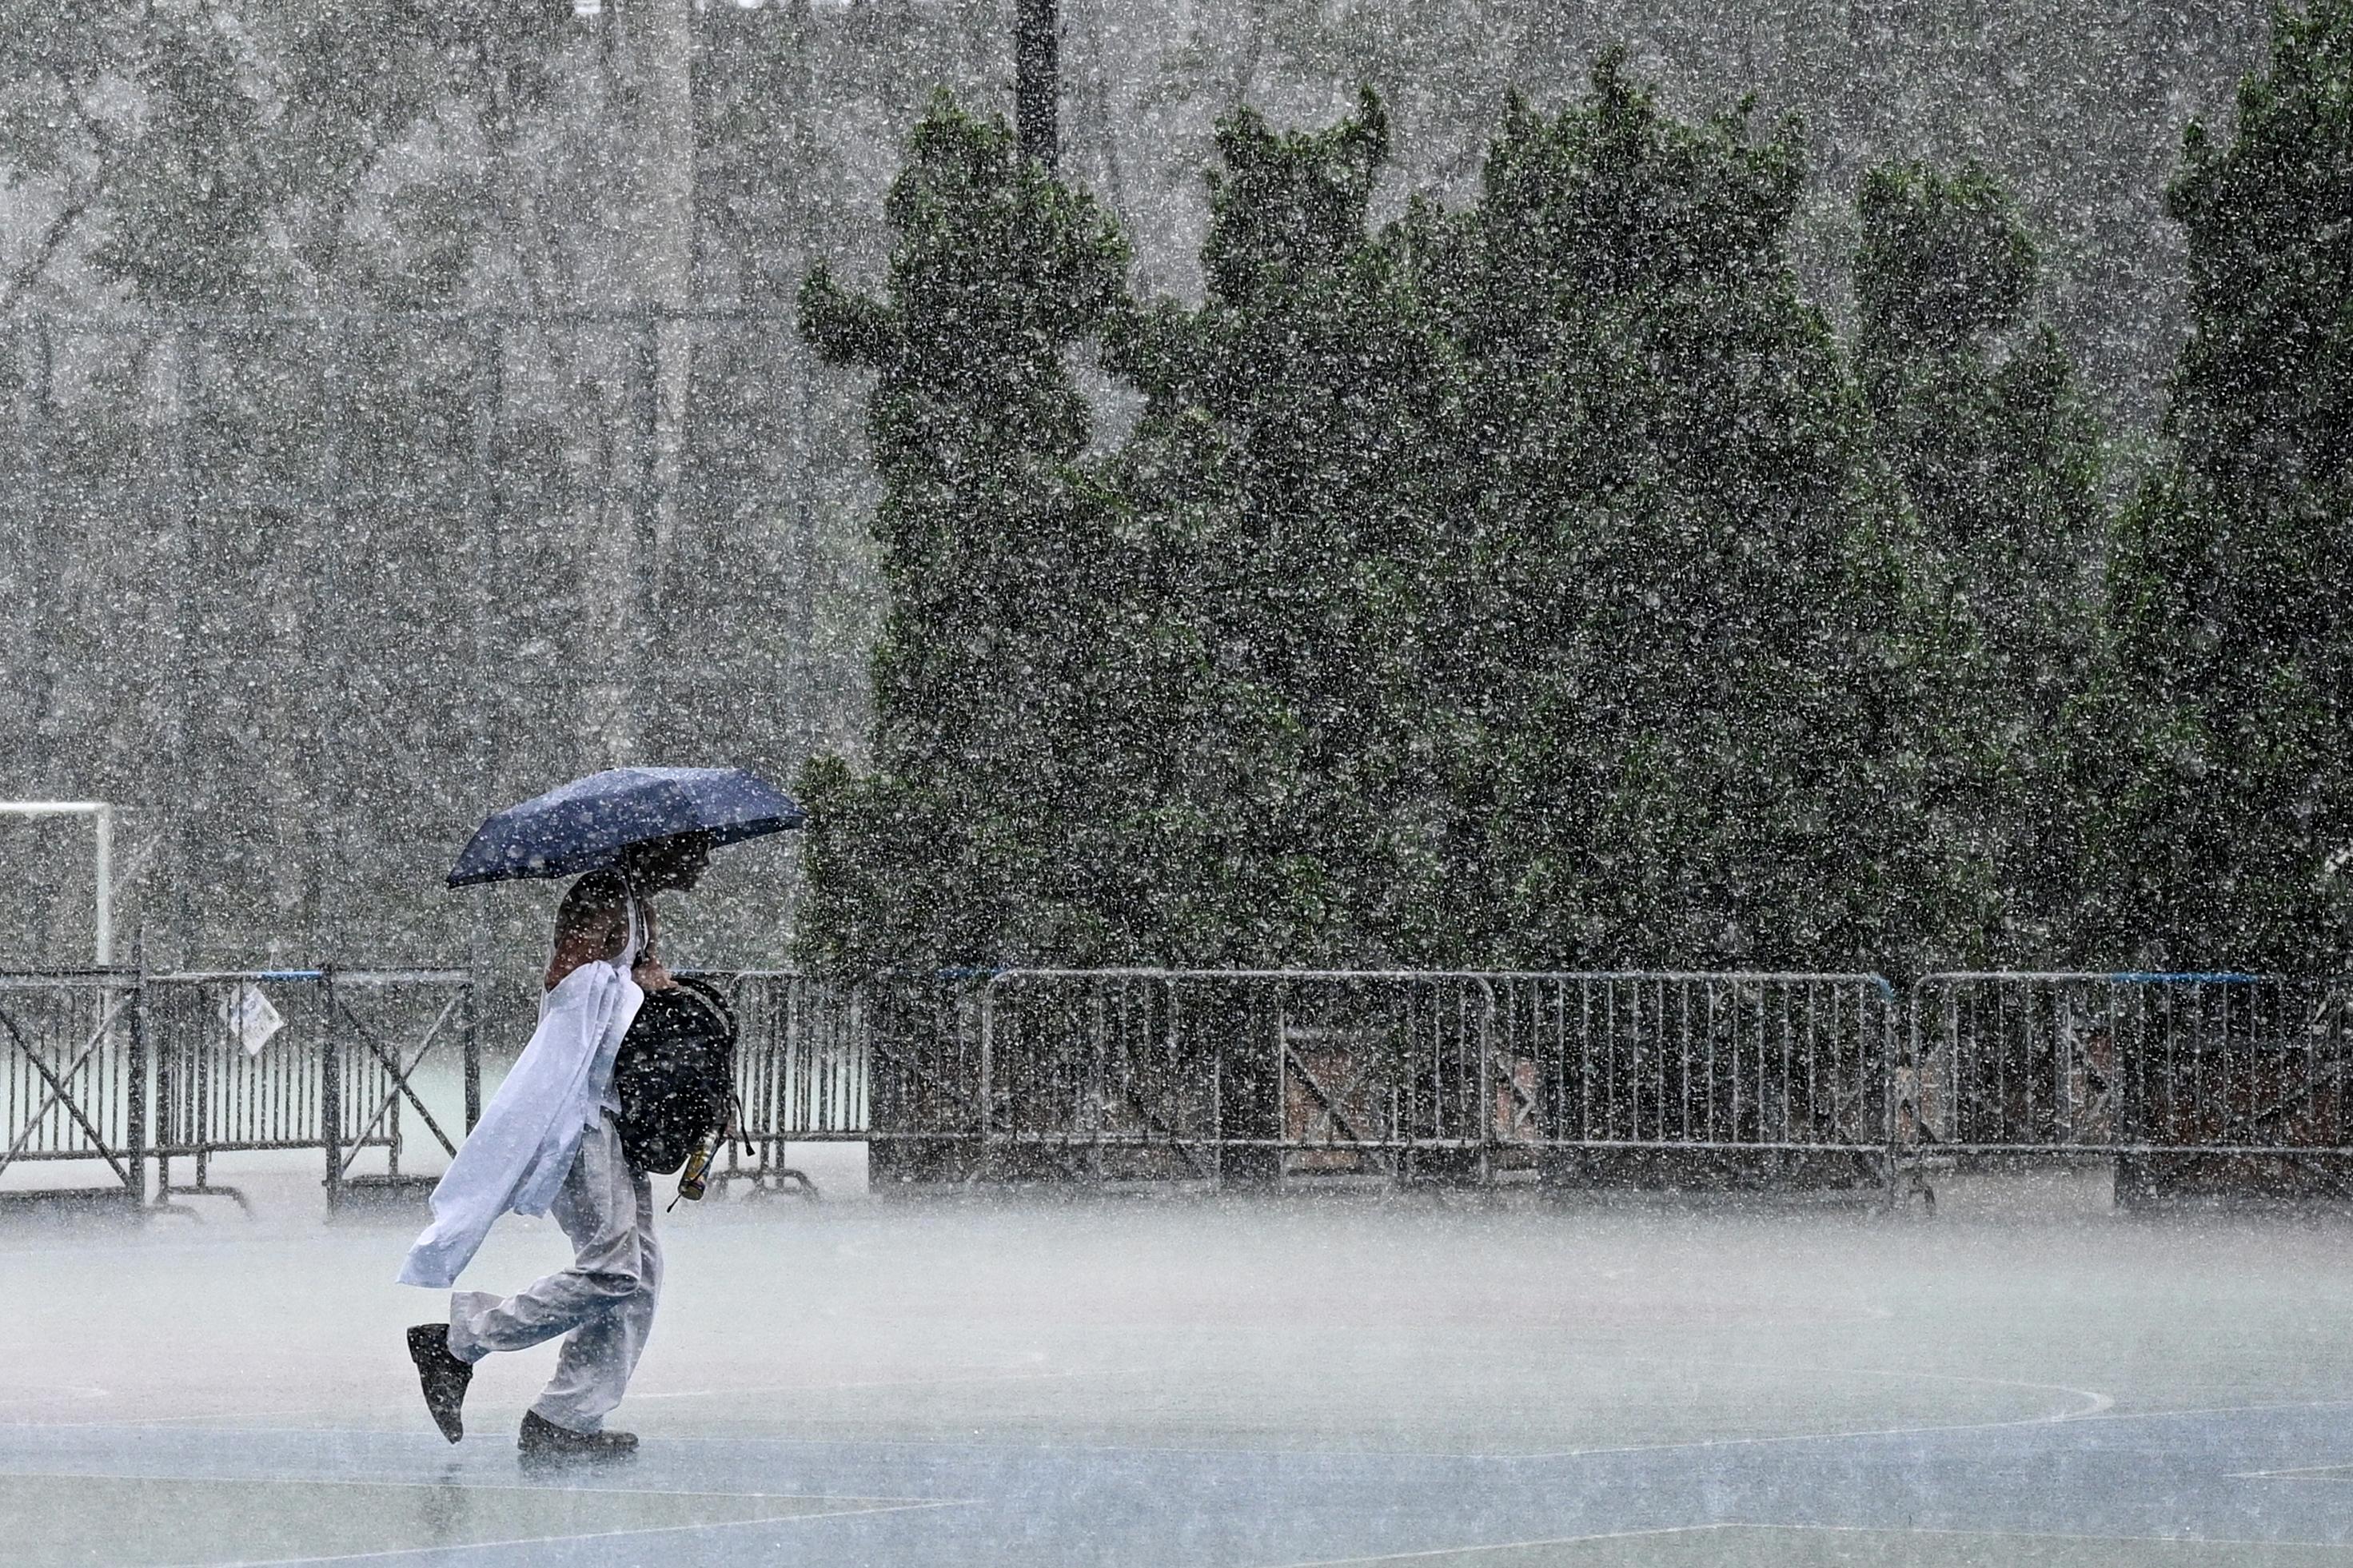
(1182,783)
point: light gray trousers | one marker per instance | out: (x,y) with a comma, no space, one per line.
(603,1305)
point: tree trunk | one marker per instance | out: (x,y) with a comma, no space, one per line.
(1036,87)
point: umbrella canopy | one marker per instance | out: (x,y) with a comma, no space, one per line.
(585,824)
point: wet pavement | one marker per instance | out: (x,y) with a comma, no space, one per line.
(1508,1382)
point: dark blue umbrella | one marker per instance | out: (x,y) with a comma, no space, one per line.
(585,825)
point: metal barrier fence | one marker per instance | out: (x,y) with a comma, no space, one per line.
(336,1060)
(924,1043)
(1767,1071)
(1147,1075)
(802,1069)
(119,1067)
(73,1082)
(2158,1069)
(892,1062)
(1403,1076)
(1275,1076)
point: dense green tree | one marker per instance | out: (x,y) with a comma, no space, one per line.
(1974,406)
(1295,454)
(966,843)
(1689,621)
(286,155)
(2231,593)
(1514,588)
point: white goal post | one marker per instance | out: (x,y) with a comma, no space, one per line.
(101,814)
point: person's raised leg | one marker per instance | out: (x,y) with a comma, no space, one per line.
(603,1275)
(601,1226)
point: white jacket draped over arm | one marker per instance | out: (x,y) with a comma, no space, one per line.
(517,1156)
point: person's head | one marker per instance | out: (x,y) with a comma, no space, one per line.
(673,864)
(593,921)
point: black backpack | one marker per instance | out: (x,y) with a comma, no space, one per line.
(675,1074)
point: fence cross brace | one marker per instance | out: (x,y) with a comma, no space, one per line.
(401,1088)
(57,1094)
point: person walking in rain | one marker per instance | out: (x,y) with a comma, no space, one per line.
(549,1141)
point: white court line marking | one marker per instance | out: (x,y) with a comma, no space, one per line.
(49,1393)
(2045,1535)
(852,1499)
(2340,1471)
(876,1383)
(2103,1411)
(554,1540)
(1822,1530)
(142,1420)
(1512,1545)
(974,1442)
(2094,1401)
(1473,1455)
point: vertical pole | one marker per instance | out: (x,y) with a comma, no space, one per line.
(103,870)
(331,1090)
(385,1084)
(201,1131)
(34,418)
(177,785)
(987,1052)
(470,1064)
(1098,1081)
(1888,1096)
(661,54)
(801,724)
(1217,1096)
(1487,1104)
(327,796)
(134,1133)
(1036,86)
(1282,1082)
(655,522)
(166,1068)
(483,525)
(1099,92)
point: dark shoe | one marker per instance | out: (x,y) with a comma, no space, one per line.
(543,1439)
(445,1377)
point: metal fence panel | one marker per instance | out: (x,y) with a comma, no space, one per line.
(1213,1074)
(1100,1078)
(925,1044)
(73,1082)
(344,1062)
(803,1067)
(1405,1076)
(1377,1075)
(1161,1076)
(801,1058)
(1796,1063)
(2216,1064)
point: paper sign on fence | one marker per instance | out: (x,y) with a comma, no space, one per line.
(250,1018)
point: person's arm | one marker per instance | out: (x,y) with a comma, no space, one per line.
(602,938)
(650,974)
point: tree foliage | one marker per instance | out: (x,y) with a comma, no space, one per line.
(1688,606)
(1975,408)
(1293,458)
(1515,585)
(2230,591)
(996,542)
